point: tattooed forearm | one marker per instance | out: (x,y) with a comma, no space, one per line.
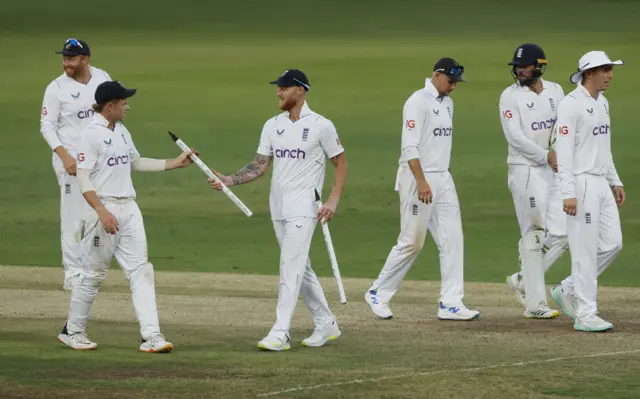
(252,171)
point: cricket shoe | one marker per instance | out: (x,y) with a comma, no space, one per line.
(592,323)
(567,302)
(516,284)
(380,309)
(456,313)
(321,337)
(271,343)
(77,341)
(156,344)
(542,312)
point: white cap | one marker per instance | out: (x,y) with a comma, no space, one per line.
(592,59)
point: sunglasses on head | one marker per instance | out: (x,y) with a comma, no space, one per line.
(73,43)
(453,71)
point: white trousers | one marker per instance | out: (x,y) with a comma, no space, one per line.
(442,219)
(538,205)
(129,246)
(595,239)
(72,207)
(296,276)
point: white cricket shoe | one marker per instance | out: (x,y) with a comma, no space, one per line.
(566,301)
(542,312)
(156,344)
(321,337)
(456,313)
(77,341)
(517,285)
(271,343)
(592,323)
(380,309)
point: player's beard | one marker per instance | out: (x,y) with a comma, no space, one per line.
(287,103)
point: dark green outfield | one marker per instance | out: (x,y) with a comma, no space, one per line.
(202,69)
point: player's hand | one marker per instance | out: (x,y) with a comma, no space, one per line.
(226,180)
(109,222)
(185,158)
(69,164)
(570,205)
(328,210)
(552,159)
(424,192)
(618,192)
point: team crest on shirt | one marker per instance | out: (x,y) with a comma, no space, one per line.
(305,134)
(449,111)
(552,104)
(606,109)
(75,96)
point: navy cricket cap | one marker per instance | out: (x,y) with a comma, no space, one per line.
(451,68)
(112,90)
(73,47)
(293,77)
(528,54)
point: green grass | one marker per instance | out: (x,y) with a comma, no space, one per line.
(202,70)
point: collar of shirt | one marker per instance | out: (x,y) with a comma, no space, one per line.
(586,93)
(100,120)
(431,89)
(304,111)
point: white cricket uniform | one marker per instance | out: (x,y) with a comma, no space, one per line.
(66,110)
(299,150)
(528,120)
(108,154)
(427,133)
(587,172)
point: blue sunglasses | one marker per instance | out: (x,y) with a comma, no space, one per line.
(454,71)
(73,42)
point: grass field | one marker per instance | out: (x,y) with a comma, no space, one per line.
(202,69)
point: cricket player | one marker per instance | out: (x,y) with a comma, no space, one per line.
(299,141)
(66,110)
(591,189)
(528,115)
(114,227)
(428,198)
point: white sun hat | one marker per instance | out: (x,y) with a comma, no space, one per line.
(592,59)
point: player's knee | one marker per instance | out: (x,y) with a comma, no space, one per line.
(533,240)
(145,270)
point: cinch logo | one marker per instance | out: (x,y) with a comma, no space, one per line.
(543,125)
(118,160)
(602,129)
(86,114)
(292,154)
(444,131)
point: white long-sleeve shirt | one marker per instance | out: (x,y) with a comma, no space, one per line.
(66,109)
(527,120)
(584,140)
(427,129)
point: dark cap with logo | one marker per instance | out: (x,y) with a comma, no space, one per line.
(73,47)
(112,90)
(451,68)
(528,54)
(293,77)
